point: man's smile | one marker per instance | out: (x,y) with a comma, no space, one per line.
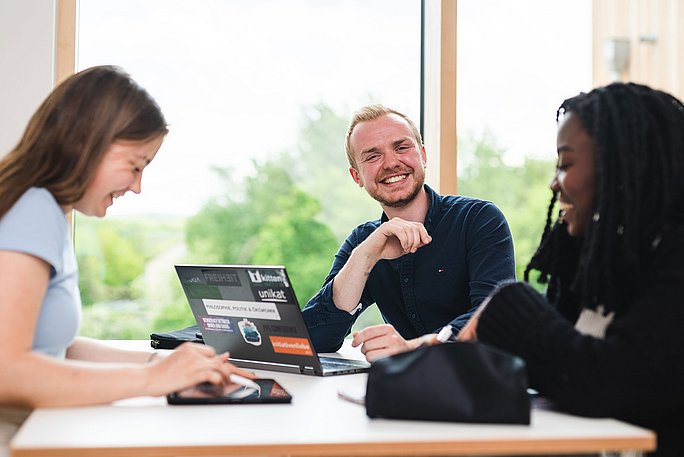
(393,179)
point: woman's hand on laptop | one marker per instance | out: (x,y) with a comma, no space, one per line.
(188,365)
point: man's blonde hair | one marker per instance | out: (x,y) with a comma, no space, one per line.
(370,113)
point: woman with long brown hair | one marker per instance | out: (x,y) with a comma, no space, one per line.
(87,144)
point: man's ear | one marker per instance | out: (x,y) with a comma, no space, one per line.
(423,155)
(355,176)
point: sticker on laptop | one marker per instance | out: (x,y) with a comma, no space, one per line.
(216,324)
(242,309)
(221,277)
(250,332)
(201,291)
(289,345)
(268,277)
(280,329)
(272,294)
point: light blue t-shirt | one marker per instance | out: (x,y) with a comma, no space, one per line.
(37,225)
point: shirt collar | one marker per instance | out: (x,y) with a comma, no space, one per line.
(434,199)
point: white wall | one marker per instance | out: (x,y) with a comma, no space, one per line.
(27,34)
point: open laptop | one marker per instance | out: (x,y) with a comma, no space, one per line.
(252,312)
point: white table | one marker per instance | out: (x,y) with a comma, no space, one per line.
(316,423)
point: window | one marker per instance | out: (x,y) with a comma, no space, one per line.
(517,61)
(258,96)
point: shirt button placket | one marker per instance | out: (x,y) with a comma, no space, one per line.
(407,291)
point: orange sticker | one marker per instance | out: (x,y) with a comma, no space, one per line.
(288,345)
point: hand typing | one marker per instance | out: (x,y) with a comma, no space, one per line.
(191,364)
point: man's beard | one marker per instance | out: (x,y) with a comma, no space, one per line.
(402,201)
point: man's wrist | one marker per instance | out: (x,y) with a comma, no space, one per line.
(363,258)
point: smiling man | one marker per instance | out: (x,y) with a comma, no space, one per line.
(427,262)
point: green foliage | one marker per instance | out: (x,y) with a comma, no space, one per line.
(319,166)
(126,262)
(271,222)
(520,191)
(298,240)
(172,316)
(174,313)
(123,262)
(112,253)
(121,320)
(90,279)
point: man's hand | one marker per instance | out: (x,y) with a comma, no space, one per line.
(395,238)
(392,239)
(379,341)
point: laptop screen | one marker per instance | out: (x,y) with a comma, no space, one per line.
(249,311)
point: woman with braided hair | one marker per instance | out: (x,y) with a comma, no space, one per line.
(608,337)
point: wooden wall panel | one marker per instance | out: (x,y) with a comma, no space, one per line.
(655,30)
(439,88)
(65,40)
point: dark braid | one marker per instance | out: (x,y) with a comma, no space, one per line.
(638,134)
(541,256)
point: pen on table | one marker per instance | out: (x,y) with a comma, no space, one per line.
(237,379)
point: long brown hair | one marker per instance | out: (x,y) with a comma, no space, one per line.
(67,137)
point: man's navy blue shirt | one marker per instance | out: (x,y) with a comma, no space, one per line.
(442,282)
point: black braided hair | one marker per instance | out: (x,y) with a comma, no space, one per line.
(638,135)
